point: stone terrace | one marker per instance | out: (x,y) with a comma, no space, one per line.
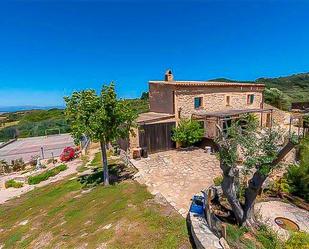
(178,175)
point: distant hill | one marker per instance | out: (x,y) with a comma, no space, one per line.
(30,121)
(27,108)
(296,86)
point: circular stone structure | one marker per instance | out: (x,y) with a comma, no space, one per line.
(268,213)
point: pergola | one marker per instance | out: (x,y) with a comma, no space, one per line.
(229,114)
(297,120)
(223,118)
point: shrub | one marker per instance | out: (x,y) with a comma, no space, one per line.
(304,151)
(298,175)
(33,160)
(299,240)
(4,167)
(298,179)
(188,132)
(51,160)
(13,184)
(280,186)
(18,164)
(45,175)
(218,180)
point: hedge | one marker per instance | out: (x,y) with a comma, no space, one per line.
(45,175)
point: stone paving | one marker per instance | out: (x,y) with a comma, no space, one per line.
(178,175)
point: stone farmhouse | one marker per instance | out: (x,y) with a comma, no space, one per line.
(211,103)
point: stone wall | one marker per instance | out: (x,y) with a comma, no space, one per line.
(202,236)
(161,98)
(214,99)
(134,139)
(279,117)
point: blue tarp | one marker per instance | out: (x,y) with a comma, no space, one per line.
(197,205)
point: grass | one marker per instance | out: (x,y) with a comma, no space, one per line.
(97,160)
(264,238)
(299,240)
(64,215)
(242,238)
(82,167)
(268,238)
(236,238)
(13,184)
(47,174)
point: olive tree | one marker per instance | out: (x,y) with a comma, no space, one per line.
(102,118)
(260,151)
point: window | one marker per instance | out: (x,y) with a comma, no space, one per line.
(201,123)
(198,102)
(228,100)
(227,123)
(250,99)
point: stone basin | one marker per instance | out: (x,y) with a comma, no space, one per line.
(287,224)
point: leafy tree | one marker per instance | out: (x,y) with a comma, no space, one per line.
(261,151)
(138,105)
(145,96)
(277,98)
(188,132)
(102,117)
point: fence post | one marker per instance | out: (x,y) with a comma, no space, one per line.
(42,151)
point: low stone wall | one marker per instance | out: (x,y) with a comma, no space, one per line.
(206,229)
(201,234)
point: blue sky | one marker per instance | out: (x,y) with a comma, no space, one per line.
(50,48)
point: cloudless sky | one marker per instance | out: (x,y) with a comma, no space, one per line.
(50,48)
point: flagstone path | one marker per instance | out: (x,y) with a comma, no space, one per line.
(178,175)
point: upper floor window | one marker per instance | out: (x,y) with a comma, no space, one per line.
(227,100)
(198,102)
(250,99)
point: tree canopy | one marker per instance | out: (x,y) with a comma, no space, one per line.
(277,98)
(102,118)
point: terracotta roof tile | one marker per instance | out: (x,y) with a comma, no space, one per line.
(205,83)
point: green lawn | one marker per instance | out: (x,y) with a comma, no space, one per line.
(66,215)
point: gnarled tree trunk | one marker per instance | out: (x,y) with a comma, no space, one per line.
(230,178)
(244,213)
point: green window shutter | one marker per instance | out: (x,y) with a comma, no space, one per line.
(251,98)
(197,102)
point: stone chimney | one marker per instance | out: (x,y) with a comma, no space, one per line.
(169,75)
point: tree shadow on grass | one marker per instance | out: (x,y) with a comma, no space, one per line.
(117,173)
